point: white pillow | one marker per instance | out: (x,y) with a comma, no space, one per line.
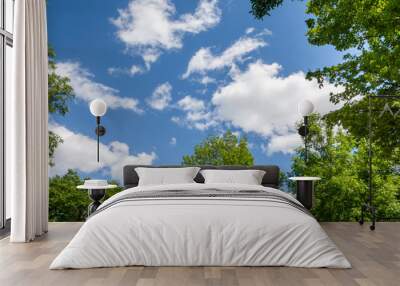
(248,177)
(165,176)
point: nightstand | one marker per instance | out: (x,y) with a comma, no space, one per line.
(96,191)
(305,190)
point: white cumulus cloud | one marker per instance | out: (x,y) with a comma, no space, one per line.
(189,103)
(79,152)
(161,96)
(285,144)
(132,71)
(250,30)
(86,88)
(204,60)
(197,114)
(206,80)
(264,32)
(262,101)
(172,141)
(149,27)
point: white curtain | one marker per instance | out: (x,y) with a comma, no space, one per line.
(26,124)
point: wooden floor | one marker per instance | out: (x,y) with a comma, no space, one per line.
(375,257)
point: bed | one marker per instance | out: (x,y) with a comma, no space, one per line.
(201,224)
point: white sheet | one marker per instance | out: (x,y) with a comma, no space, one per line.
(212,231)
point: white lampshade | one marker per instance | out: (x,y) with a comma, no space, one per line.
(305,107)
(98,107)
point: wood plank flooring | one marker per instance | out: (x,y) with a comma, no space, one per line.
(375,257)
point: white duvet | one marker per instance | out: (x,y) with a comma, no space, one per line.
(200,231)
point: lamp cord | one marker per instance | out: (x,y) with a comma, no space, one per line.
(98,138)
(305,139)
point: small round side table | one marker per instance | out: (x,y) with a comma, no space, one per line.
(305,190)
(96,194)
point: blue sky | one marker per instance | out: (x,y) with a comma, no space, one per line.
(150,61)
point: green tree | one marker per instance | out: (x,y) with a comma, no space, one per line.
(342,162)
(261,8)
(60,92)
(368,32)
(54,141)
(221,150)
(66,203)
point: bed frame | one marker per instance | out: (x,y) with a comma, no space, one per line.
(270,179)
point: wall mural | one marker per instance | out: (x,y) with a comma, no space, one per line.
(176,74)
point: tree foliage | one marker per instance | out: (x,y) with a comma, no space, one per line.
(261,8)
(342,162)
(60,92)
(221,150)
(54,141)
(66,202)
(385,124)
(368,32)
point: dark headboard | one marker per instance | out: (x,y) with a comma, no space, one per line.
(271,177)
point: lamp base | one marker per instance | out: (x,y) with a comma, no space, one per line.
(96,195)
(367,207)
(100,130)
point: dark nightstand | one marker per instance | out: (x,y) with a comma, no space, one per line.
(305,190)
(96,194)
